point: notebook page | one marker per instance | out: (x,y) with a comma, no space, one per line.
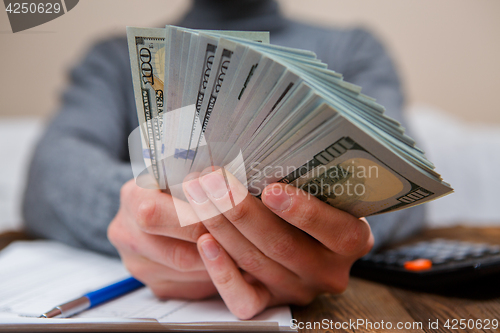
(35,276)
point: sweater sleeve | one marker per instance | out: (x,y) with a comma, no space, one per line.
(81,161)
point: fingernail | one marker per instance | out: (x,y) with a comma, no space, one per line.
(195,191)
(210,249)
(215,185)
(276,198)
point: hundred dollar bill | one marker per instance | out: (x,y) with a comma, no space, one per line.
(200,93)
(147,54)
(202,67)
(223,59)
(347,169)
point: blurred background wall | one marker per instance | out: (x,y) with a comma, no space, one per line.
(448,51)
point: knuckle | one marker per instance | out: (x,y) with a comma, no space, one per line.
(283,249)
(181,258)
(247,309)
(161,291)
(113,232)
(224,280)
(341,284)
(336,284)
(137,272)
(127,189)
(368,246)
(238,214)
(145,215)
(174,289)
(216,224)
(303,296)
(305,216)
(137,269)
(275,278)
(118,235)
(251,261)
(353,240)
(121,237)
(197,230)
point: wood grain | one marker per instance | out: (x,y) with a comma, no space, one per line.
(376,302)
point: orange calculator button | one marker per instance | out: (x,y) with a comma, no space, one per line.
(418,265)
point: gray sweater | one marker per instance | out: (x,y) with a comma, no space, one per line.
(82,160)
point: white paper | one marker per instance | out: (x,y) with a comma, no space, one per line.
(35,276)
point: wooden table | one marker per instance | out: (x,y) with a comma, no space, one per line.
(376,302)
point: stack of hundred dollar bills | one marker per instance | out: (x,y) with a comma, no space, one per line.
(267,113)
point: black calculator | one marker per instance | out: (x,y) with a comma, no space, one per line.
(430,264)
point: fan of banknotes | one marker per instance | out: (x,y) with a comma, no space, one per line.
(266,113)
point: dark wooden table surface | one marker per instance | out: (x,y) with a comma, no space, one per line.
(375,302)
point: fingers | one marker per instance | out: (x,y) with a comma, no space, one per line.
(246,255)
(250,222)
(143,233)
(153,273)
(165,282)
(174,253)
(370,243)
(199,200)
(243,299)
(251,234)
(337,230)
(189,290)
(258,240)
(154,213)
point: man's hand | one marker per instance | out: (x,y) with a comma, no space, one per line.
(287,248)
(155,248)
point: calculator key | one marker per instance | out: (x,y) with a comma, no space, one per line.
(446,257)
(391,260)
(494,250)
(378,258)
(392,253)
(479,251)
(418,265)
(446,252)
(405,252)
(432,254)
(469,247)
(454,245)
(462,253)
(440,260)
(401,262)
(477,254)
(417,253)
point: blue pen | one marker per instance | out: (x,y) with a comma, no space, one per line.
(93,298)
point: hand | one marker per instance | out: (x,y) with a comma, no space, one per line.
(155,249)
(287,248)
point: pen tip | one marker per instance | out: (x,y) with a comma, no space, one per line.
(54,313)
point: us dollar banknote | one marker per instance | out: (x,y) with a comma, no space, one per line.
(147,54)
(204,97)
(350,171)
